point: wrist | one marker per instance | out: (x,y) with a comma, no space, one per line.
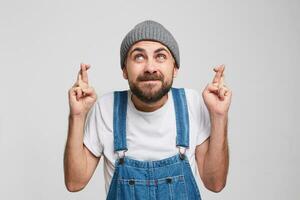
(214,116)
(77,116)
(219,122)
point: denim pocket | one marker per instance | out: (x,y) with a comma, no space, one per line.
(132,189)
(172,188)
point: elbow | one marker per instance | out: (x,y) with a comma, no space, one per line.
(74,187)
(217,189)
(216,186)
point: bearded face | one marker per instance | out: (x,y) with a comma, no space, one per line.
(149,69)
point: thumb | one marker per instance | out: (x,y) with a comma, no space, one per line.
(211,88)
(89,91)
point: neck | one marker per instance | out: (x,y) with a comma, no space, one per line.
(148,107)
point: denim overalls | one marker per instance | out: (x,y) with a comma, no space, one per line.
(166,179)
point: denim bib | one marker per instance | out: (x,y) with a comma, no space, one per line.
(166,179)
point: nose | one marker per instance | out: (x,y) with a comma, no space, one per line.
(150,66)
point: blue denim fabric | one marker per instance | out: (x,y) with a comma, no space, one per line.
(166,179)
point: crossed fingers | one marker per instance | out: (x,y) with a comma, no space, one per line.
(218,81)
(81,83)
(82,77)
(219,76)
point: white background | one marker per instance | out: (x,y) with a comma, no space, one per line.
(43,42)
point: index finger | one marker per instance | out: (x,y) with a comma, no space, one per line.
(219,72)
(222,80)
(84,68)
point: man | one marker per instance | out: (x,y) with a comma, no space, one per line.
(154,138)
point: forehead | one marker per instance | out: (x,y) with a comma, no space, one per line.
(148,45)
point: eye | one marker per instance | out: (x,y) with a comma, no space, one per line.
(138,57)
(161,56)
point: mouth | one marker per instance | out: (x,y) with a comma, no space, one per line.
(150,81)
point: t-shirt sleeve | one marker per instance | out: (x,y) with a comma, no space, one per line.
(204,121)
(92,131)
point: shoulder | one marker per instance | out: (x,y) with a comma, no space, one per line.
(107,97)
(105,104)
(102,110)
(101,105)
(193,96)
(194,101)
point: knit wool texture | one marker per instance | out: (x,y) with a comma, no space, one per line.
(153,31)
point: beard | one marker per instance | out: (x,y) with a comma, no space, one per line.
(147,92)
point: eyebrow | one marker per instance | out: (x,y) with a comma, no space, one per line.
(143,50)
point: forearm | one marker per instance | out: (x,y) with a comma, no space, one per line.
(217,157)
(75,161)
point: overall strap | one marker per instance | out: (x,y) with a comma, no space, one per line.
(119,120)
(182,117)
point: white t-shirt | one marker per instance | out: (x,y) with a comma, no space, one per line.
(149,135)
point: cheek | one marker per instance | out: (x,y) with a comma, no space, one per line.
(132,75)
(168,74)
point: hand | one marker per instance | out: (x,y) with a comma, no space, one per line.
(216,95)
(81,95)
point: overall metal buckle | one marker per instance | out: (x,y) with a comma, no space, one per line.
(121,158)
(182,151)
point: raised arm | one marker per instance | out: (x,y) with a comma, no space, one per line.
(212,156)
(79,162)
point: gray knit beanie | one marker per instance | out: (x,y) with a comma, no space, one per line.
(149,30)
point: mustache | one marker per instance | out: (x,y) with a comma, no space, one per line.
(150,77)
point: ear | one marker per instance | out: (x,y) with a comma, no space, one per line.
(125,74)
(175,71)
